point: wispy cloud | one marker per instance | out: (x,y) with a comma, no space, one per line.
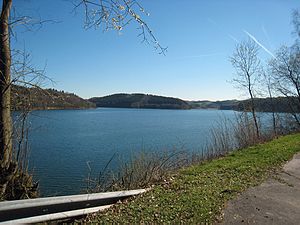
(202,55)
(257,42)
(222,30)
(233,38)
(267,36)
(212,21)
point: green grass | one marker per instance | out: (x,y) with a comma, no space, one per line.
(198,193)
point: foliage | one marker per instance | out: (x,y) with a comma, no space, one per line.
(197,194)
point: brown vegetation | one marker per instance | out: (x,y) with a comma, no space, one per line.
(37,98)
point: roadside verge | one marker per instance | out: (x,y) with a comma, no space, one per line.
(197,194)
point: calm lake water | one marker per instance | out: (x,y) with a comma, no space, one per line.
(63,142)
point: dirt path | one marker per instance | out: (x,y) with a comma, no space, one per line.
(276,201)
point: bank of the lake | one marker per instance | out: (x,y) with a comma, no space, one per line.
(197,194)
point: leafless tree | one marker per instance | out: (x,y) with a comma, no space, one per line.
(6,166)
(18,183)
(285,69)
(247,65)
(112,14)
(267,82)
(296,22)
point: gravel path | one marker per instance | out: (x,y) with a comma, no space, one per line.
(276,201)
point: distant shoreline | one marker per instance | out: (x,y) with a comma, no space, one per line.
(52,109)
(51,99)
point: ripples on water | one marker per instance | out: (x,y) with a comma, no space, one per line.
(62,142)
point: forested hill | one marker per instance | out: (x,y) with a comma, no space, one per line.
(34,98)
(222,105)
(279,104)
(139,101)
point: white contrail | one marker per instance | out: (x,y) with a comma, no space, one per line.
(257,42)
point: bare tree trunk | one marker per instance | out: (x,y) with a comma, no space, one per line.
(273,109)
(253,109)
(5,90)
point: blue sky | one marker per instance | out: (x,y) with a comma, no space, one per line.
(200,36)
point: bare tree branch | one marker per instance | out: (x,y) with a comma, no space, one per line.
(248,68)
(116,15)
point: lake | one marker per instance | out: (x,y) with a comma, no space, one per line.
(64,142)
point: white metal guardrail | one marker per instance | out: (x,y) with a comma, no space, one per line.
(62,207)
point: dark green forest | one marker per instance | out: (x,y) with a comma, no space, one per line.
(221,105)
(279,104)
(140,101)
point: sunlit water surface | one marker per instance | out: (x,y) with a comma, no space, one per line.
(64,142)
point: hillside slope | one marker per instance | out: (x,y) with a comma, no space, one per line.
(139,101)
(279,104)
(222,105)
(34,98)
